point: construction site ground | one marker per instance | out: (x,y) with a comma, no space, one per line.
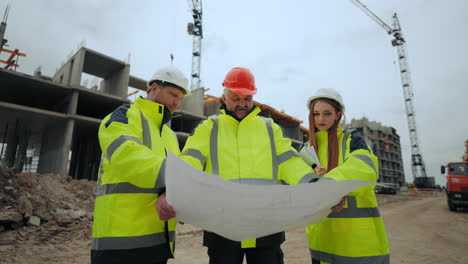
(420,227)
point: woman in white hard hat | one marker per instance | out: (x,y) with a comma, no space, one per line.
(355,234)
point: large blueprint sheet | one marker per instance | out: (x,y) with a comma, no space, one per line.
(241,212)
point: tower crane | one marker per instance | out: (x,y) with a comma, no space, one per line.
(418,167)
(195,29)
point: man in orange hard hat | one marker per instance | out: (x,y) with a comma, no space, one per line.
(243,147)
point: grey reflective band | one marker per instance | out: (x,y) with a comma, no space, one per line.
(255,181)
(161,179)
(316,178)
(101,168)
(101,172)
(309,177)
(214,146)
(274,161)
(354,212)
(367,160)
(124,187)
(119,141)
(336,259)
(195,153)
(347,133)
(109,243)
(286,156)
(146,131)
(326,179)
(122,139)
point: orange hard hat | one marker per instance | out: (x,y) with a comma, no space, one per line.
(240,81)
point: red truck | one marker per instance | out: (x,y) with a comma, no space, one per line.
(457,184)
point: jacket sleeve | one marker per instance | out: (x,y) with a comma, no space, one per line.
(124,153)
(359,164)
(196,150)
(292,169)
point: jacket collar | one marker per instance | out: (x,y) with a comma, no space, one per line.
(255,111)
(324,134)
(153,110)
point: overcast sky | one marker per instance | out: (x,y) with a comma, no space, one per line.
(292,47)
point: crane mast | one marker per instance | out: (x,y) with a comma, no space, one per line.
(418,167)
(3,25)
(195,29)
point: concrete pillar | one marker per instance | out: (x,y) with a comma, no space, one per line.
(117,83)
(194,103)
(17,138)
(12,144)
(75,68)
(212,109)
(55,147)
(70,73)
(86,156)
(73,103)
(24,132)
(293,132)
(67,104)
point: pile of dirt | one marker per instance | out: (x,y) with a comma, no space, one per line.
(36,208)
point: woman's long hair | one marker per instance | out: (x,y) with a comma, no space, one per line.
(333,150)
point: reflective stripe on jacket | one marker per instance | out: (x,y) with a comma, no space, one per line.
(356,234)
(252,151)
(134,141)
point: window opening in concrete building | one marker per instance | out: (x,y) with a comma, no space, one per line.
(91,81)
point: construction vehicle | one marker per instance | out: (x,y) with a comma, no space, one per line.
(424,183)
(386,188)
(457,182)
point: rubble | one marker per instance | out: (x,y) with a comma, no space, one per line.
(35,208)
(25,206)
(9,217)
(34,221)
(7,238)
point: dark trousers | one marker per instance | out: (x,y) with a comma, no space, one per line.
(269,255)
(315,261)
(150,255)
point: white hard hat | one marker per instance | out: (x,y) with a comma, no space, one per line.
(326,93)
(170,74)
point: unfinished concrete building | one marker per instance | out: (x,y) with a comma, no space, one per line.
(57,117)
(385,143)
(50,124)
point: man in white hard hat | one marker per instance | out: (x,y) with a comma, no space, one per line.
(132,221)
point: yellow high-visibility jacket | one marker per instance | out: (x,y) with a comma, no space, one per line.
(134,140)
(356,235)
(251,151)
